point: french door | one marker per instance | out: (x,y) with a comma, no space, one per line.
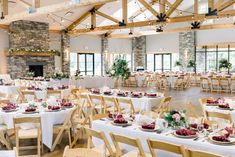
(162,62)
(86,63)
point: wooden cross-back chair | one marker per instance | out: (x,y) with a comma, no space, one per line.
(232,85)
(97,103)
(65,127)
(192,110)
(106,148)
(215,84)
(197,153)
(33,133)
(111,100)
(164,106)
(55,93)
(4,138)
(117,139)
(205,84)
(25,94)
(225,85)
(126,102)
(165,146)
(225,116)
(75,152)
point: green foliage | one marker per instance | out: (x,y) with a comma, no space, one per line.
(175,118)
(224,64)
(119,69)
(30,74)
(191,64)
(54,52)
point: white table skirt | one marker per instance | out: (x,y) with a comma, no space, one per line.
(7,153)
(48,120)
(143,103)
(9,89)
(134,132)
(95,82)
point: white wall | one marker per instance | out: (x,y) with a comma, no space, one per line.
(207,37)
(163,43)
(85,44)
(119,45)
(4,45)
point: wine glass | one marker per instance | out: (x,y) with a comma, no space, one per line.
(200,129)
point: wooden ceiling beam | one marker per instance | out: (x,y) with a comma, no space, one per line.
(162,6)
(82,18)
(141,10)
(93,20)
(52,9)
(23,3)
(170,5)
(218,3)
(173,7)
(124,11)
(107,17)
(149,7)
(5,7)
(211,4)
(188,18)
(36,3)
(225,5)
(195,7)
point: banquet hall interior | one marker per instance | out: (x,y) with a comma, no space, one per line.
(117,78)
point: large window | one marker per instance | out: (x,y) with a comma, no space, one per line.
(207,58)
(87,63)
(159,62)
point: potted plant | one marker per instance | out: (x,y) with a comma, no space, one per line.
(192,65)
(224,65)
(119,70)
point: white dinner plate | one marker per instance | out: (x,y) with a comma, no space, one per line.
(180,136)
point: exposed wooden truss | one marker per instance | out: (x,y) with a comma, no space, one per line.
(216,10)
(4,5)
(149,7)
(225,5)
(189,18)
(52,9)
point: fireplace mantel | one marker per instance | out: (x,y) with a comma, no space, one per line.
(26,53)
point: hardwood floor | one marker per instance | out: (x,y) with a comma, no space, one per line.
(179,100)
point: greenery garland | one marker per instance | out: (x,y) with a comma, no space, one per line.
(50,51)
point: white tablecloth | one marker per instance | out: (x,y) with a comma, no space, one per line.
(143,103)
(215,108)
(43,84)
(95,82)
(48,119)
(134,132)
(7,153)
(9,89)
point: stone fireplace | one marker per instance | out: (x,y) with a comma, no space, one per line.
(29,35)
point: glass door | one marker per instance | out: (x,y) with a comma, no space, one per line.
(86,63)
(162,62)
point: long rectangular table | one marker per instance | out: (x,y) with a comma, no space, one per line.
(134,132)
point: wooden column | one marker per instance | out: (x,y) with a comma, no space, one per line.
(5,7)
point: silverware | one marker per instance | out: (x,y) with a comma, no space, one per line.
(197,138)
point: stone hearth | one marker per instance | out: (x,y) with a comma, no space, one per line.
(29,35)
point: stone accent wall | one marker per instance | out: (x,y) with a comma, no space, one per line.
(186,48)
(31,35)
(65,49)
(104,51)
(139,51)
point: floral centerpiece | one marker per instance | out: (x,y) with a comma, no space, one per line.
(175,119)
(58,75)
(119,69)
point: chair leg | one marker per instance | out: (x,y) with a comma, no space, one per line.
(69,136)
(39,146)
(58,137)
